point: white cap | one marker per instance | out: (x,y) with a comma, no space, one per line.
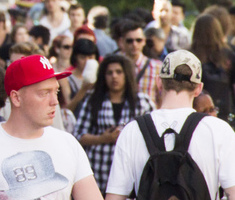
(181,57)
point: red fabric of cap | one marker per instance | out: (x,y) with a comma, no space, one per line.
(29,70)
(84,29)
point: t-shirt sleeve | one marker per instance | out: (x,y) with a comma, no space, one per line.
(227,158)
(83,168)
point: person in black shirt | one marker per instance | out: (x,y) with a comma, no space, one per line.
(114,102)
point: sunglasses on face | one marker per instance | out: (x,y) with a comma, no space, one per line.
(130,40)
(66,47)
(211,110)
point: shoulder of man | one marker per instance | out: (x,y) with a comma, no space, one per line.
(60,136)
(52,130)
(216,125)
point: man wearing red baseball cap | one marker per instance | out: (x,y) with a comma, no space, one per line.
(32,87)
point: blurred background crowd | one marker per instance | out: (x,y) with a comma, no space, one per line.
(115,51)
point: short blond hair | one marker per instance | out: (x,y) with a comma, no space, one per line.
(26,48)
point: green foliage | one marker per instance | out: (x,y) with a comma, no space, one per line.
(189,20)
(202,4)
(118,8)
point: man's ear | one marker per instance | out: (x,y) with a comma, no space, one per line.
(198,89)
(15,98)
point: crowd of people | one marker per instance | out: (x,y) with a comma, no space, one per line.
(106,72)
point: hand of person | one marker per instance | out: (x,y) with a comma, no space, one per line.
(86,86)
(111,134)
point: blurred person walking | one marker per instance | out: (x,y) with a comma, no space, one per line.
(113,103)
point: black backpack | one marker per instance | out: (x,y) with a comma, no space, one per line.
(171,175)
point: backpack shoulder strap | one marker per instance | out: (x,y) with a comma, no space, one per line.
(184,137)
(153,142)
(141,73)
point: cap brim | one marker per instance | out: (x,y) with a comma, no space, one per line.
(60,75)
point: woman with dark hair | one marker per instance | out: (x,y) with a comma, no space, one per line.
(75,87)
(209,46)
(207,41)
(101,86)
(83,48)
(113,103)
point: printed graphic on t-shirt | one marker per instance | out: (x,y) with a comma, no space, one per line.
(31,176)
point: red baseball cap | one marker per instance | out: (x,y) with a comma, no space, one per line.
(29,70)
(84,29)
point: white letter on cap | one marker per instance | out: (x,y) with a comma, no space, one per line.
(46,63)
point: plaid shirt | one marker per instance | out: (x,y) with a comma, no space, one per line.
(148,82)
(101,156)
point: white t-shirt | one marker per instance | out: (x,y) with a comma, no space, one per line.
(55,31)
(68,33)
(212,147)
(44,167)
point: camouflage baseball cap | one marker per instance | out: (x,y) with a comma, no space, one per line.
(181,57)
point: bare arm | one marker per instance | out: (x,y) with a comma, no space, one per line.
(109,136)
(79,96)
(86,189)
(66,92)
(115,197)
(230,193)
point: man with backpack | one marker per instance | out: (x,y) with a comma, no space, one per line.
(165,161)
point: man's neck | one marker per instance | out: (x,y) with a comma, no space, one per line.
(173,100)
(56,17)
(23,131)
(73,28)
(134,57)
